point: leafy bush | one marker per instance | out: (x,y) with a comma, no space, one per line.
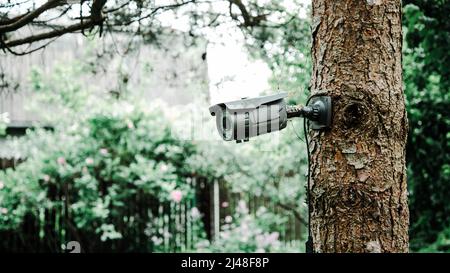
(428,105)
(442,243)
(94,168)
(244,232)
(107,158)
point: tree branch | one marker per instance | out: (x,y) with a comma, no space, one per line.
(22,20)
(96,10)
(96,18)
(249,20)
(156,9)
(247,17)
(26,51)
(50,34)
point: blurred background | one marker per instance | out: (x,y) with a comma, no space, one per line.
(107,141)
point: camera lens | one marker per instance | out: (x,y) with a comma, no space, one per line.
(226,125)
(224,122)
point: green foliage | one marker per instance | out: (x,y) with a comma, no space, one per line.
(244,232)
(429,29)
(100,163)
(442,243)
(428,105)
(271,168)
(105,155)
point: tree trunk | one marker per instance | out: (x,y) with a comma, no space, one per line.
(358,179)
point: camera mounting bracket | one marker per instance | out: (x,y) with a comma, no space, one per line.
(320,113)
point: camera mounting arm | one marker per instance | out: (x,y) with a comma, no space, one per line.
(318,112)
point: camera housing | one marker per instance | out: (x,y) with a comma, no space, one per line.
(242,119)
(239,120)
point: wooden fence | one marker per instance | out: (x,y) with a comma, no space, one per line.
(292,231)
(174,230)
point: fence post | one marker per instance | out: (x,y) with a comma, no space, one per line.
(216,210)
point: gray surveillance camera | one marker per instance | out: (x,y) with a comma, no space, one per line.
(239,120)
(242,119)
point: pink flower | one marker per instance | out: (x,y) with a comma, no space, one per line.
(242,207)
(89,161)
(163,167)
(130,124)
(195,213)
(272,238)
(103,151)
(2,185)
(228,219)
(225,204)
(46,177)
(61,160)
(4,210)
(176,196)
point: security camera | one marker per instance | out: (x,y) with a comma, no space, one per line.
(242,119)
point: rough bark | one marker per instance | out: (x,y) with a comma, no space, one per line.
(358,189)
